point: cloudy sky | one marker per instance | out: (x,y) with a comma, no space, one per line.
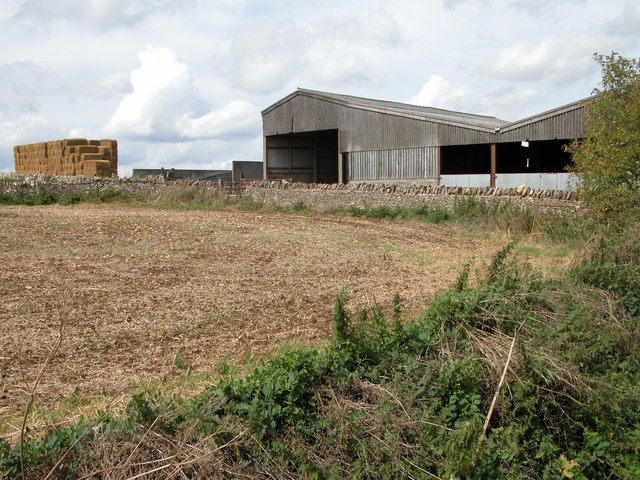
(181,83)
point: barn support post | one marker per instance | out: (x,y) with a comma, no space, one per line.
(492,176)
(438,164)
(340,168)
(265,167)
(315,157)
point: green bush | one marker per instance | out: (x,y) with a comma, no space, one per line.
(44,196)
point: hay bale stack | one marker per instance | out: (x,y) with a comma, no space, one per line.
(111,152)
(73,156)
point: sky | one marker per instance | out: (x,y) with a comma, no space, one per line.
(181,83)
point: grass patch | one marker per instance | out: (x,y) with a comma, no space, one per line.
(424,213)
(529,249)
(188,197)
(45,196)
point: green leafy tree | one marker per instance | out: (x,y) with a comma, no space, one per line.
(607,160)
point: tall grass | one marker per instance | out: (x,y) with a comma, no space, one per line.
(505,217)
(188,197)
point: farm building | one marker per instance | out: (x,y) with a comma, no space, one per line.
(182,174)
(319,137)
(245,170)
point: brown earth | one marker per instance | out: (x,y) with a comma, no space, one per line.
(142,291)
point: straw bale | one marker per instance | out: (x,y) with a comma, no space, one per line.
(69,142)
(99,168)
(66,157)
(88,149)
(92,156)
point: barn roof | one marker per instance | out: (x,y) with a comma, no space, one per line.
(546,115)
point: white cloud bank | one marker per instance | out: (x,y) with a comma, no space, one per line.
(329,51)
(558,60)
(21,83)
(101,14)
(165,106)
(502,102)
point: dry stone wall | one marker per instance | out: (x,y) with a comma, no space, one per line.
(325,197)
(319,197)
(70,157)
(17,184)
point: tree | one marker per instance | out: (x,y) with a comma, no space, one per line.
(607,160)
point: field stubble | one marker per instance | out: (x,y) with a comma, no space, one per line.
(146,295)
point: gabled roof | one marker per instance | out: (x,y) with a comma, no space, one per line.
(437,115)
(548,114)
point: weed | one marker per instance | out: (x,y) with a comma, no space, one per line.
(300,206)
(181,363)
(189,197)
(247,203)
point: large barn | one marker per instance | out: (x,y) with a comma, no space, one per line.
(319,137)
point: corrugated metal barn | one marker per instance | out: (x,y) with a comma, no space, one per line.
(312,136)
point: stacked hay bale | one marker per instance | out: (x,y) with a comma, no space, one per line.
(73,156)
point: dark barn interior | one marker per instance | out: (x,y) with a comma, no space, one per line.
(539,157)
(303,157)
(465,159)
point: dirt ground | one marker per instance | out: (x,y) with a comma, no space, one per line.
(144,293)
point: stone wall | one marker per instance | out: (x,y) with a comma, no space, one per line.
(16,184)
(74,156)
(319,197)
(324,197)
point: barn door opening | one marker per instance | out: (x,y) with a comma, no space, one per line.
(303,157)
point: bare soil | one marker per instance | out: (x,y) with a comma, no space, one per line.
(142,291)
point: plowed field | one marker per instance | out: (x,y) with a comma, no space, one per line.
(142,294)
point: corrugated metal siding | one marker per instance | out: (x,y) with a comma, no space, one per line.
(567,125)
(290,155)
(365,130)
(403,163)
(466,180)
(454,135)
(555,181)
(301,114)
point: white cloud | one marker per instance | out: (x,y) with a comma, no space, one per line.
(207,154)
(113,85)
(627,23)
(266,56)
(237,118)
(335,71)
(438,92)
(162,86)
(453,4)
(102,14)
(21,83)
(24,130)
(329,51)
(506,103)
(165,105)
(539,6)
(558,60)
(374,27)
